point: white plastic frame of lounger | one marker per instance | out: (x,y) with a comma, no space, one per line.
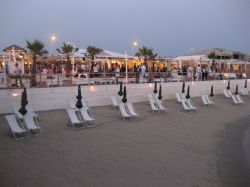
(185,106)
(31,123)
(178,97)
(114,100)
(191,106)
(73,117)
(239,98)
(153,104)
(131,110)
(244,91)
(229,93)
(15,128)
(89,121)
(226,94)
(235,101)
(209,99)
(204,100)
(160,105)
(123,111)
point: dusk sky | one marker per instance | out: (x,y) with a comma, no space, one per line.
(170,27)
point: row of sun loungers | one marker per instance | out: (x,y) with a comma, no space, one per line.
(80,117)
(22,126)
(235,97)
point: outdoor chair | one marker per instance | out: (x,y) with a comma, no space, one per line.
(239,98)
(153,104)
(160,105)
(115,102)
(229,93)
(131,110)
(226,94)
(123,111)
(235,101)
(73,119)
(31,123)
(244,92)
(209,99)
(84,116)
(15,128)
(178,97)
(191,106)
(204,100)
(185,106)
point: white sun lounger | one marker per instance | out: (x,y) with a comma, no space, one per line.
(123,111)
(89,121)
(239,98)
(204,100)
(209,99)
(15,127)
(191,106)
(31,123)
(235,101)
(244,91)
(114,100)
(153,104)
(131,110)
(178,97)
(185,106)
(160,105)
(229,93)
(226,94)
(73,118)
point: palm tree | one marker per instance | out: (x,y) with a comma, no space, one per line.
(92,51)
(36,49)
(212,55)
(67,50)
(146,53)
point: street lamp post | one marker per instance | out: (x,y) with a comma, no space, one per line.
(52,40)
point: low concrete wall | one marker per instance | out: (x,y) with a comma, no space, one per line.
(58,97)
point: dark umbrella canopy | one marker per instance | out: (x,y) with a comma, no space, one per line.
(228,85)
(155,90)
(120,91)
(160,96)
(23,110)
(183,87)
(124,98)
(188,95)
(25,96)
(79,98)
(245,84)
(236,90)
(212,91)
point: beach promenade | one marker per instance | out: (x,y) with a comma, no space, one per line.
(176,149)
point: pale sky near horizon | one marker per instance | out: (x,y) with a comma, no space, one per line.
(170,27)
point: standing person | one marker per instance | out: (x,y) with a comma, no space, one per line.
(190,73)
(143,70)
(18,74)
(198,72)
(117,73)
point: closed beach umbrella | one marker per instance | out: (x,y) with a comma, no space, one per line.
(160,96)
(236,90)
(188,96)
(120,91)
(212,91)
(23,110)
(228,85)
(79,98)
(245,84)
(183,87)
(25,96)
(155,90)
(124,98)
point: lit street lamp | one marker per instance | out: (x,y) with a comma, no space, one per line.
(135,44)
(52,40)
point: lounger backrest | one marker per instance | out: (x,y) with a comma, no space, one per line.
(160,104)
(239,99)
(204,100)
(114,100)
(185,106)
(12,122)
(178,97)
(190,104)
(72,116)
(123,110)
(226,93)
(86,115)
(234,99)
(209,99)
(229,93)
(152,102)
(131,109)
(30,121)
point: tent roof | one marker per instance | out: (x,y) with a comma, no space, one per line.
(192,58)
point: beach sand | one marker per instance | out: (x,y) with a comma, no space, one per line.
(158,150)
